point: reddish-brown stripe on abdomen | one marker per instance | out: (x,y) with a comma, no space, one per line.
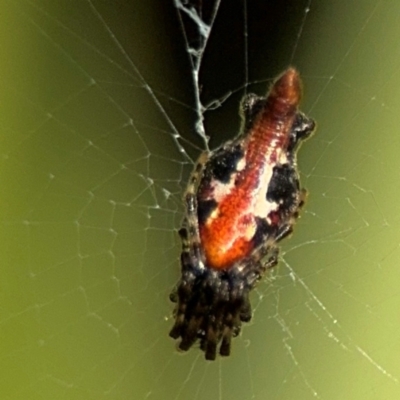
(224,239)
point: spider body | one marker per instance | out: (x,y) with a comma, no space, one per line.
(241,200)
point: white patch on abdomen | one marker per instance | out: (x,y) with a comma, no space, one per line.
(262,207)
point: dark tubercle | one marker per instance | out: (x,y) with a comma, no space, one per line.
(204,209)
(263,231)
(223,163)
(283,186)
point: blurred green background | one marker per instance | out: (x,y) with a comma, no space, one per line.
(97,141)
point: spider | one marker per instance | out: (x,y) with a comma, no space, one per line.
(242,199)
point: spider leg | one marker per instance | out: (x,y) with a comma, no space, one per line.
(272,260)
(284,231)
(189,311)
(189,231)
(224,322)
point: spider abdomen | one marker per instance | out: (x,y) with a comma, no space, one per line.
(227,234)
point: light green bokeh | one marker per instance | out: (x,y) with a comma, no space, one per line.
(91,181)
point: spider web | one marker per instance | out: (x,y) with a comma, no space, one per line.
(104,108)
